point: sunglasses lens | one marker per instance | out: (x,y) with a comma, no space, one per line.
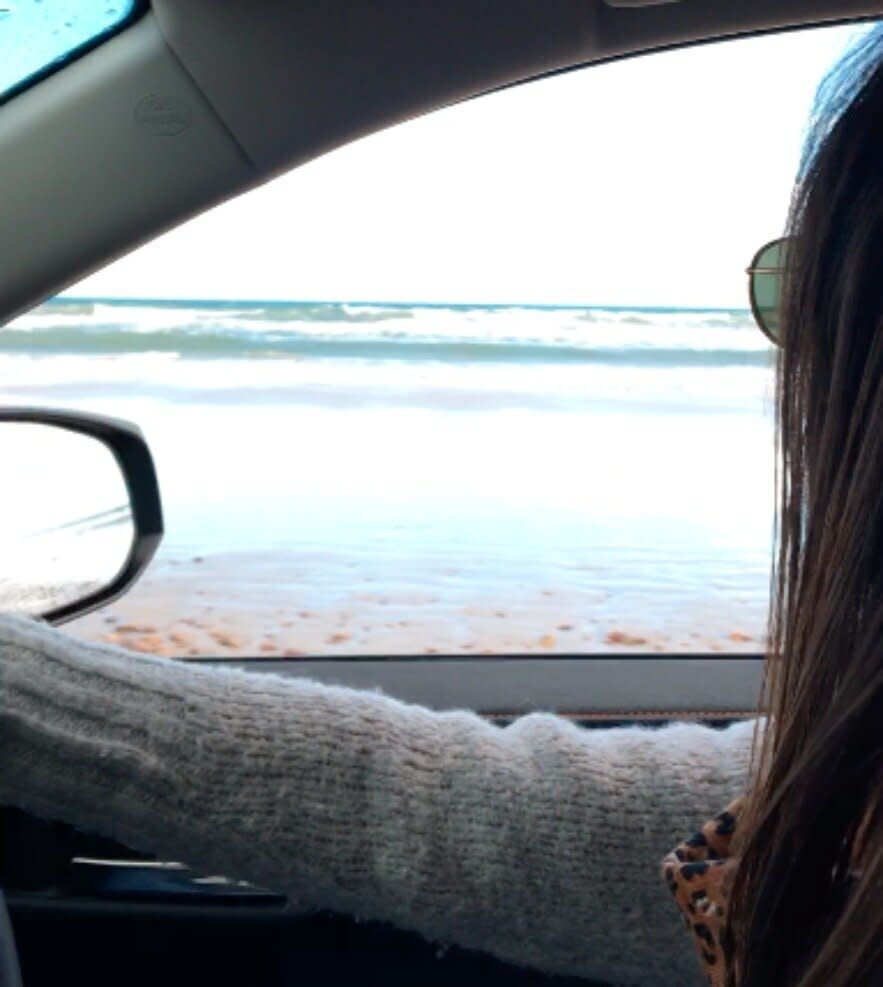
(767,278)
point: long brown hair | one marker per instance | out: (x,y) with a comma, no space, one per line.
(798,917)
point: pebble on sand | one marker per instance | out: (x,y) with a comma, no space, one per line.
(621,637)
(226,639)
(150,644)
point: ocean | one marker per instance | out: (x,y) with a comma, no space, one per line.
(403,474)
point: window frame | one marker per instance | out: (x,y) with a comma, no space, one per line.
(604,688)
(502,685)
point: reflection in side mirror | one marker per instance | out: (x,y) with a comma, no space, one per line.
(66,527)
(80,516)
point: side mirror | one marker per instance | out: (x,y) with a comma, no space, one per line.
(80,513)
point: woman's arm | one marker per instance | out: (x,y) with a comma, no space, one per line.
(539,842)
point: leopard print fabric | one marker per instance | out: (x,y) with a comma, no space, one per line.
(699,874)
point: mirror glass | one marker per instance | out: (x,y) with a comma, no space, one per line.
(66,525)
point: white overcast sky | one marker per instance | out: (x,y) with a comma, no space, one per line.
(649,181)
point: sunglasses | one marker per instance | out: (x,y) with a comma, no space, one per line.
(766,275)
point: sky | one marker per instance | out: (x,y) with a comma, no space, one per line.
(649,182)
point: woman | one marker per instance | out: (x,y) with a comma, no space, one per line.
(542,842)
(806,908)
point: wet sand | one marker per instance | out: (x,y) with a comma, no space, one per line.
(247,605)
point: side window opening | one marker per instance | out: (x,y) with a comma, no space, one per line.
(485,383)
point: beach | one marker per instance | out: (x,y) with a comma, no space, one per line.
(416,609)
(371,480)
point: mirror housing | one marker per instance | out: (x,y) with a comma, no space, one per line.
(131,455)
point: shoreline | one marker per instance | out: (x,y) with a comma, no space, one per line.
(196,608)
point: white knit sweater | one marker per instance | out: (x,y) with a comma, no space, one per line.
(540,842)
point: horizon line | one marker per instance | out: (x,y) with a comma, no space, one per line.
(572,306)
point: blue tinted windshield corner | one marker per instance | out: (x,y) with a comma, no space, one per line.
(38,37)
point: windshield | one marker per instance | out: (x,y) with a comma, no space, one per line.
(38,37)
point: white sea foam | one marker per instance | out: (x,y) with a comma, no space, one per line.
(509,326)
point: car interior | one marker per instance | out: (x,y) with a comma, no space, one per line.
(176,107)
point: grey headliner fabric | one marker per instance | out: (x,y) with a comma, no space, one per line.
(539,842)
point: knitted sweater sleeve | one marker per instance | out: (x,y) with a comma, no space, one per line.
(539,842)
